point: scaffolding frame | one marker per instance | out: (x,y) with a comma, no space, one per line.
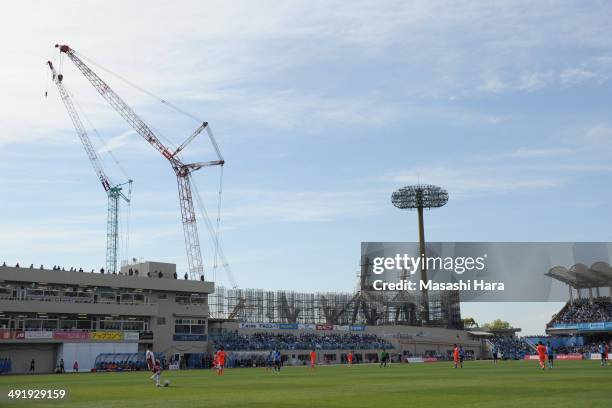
(339,308)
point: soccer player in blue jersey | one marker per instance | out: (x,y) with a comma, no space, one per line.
(603,354)
(551,354)
(270,361)
(277,361)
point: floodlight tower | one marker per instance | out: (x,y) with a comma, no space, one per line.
(418,197)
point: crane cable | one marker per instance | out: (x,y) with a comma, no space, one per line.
(214,235)
(105,148)
(157,132)
(124,238)
(161,100)
(141,89)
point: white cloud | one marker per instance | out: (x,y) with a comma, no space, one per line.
(217,54)
(116,142)
(598,135)
(576,75)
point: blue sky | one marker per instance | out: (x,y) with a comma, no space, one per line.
(321,111)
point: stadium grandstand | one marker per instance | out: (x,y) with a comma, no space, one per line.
(104,322)
(588,311)
(580,327)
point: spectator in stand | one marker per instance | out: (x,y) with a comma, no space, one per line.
(301,341)
(585,311)
(511,347)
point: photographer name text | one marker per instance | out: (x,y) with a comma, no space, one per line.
(406,285)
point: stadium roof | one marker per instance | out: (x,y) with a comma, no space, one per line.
(481,333)
(581,276)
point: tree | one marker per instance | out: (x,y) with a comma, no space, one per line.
(469,323)
(497,324)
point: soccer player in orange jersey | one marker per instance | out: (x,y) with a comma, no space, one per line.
(220,361)
(456,355)
(349,358)
(313,359)
(541,349)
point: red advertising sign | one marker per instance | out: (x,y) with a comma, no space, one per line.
(70,335)
(325,327)
(571,356)
(5,334)
(430,359)
(20,335)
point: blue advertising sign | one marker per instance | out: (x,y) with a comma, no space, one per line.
(596,326)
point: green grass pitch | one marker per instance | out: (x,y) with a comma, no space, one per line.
(479,384)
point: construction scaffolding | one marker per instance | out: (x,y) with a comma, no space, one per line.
(366,306)
(362,307)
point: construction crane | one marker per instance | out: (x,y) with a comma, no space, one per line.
(113,191)
(182,170)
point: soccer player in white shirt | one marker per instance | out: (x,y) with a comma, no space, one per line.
(150,358)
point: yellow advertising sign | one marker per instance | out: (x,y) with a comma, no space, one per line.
(106,336)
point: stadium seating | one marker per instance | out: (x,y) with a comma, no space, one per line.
(301,341)
(585,311)
(512,348)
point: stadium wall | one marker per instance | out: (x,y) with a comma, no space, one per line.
(44,355)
